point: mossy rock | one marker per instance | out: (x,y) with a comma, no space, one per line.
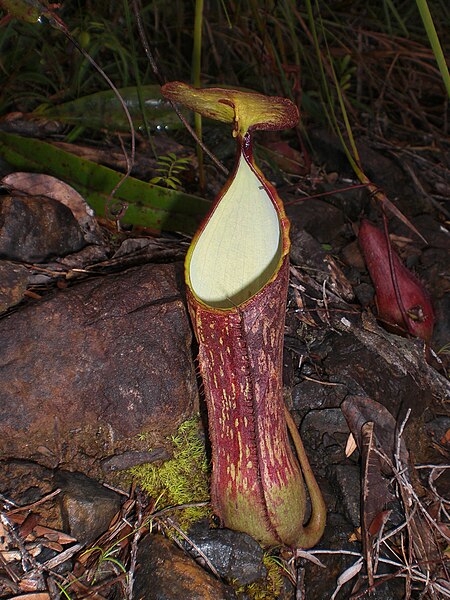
(182,480)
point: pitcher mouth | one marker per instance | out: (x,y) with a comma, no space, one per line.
(238,250)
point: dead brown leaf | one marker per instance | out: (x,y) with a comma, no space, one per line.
(38,596)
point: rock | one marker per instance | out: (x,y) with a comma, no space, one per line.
(365,372)
(306,250)
(87,507)
(92,368)
(320,582)
(236,556)
(352,256)
(347,479)
(324,433)
(330,228)
(24,483)
(43,185)
(438,429)
(33,228)
(364,293)
(13,284)
(167,573)
(62,568)
(318,424)
(435,232)
(310,395)
(127,460)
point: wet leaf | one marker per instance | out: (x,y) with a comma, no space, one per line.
(375,490)
(28,524)
(378,522)
(104,111)
(283,156)
(375,493)
(146,205)
(359,410)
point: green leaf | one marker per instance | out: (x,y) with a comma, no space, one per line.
(148,205)
(103,110)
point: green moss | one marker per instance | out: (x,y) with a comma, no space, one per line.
(183,479)
(271,586)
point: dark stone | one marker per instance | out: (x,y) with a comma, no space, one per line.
(306,250)
(61,568)
(364,293)
(311,395)
(87,507)
(438,429)
(34,228)
(365,372)
(13,284)
(326,423)
(92,367)
(167,573)
(236,556)
(330,228)
(347,479)
(127,460)
(436,234)
(320,582)
(352,256)
(324,433)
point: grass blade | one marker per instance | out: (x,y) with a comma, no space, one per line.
(427,19)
